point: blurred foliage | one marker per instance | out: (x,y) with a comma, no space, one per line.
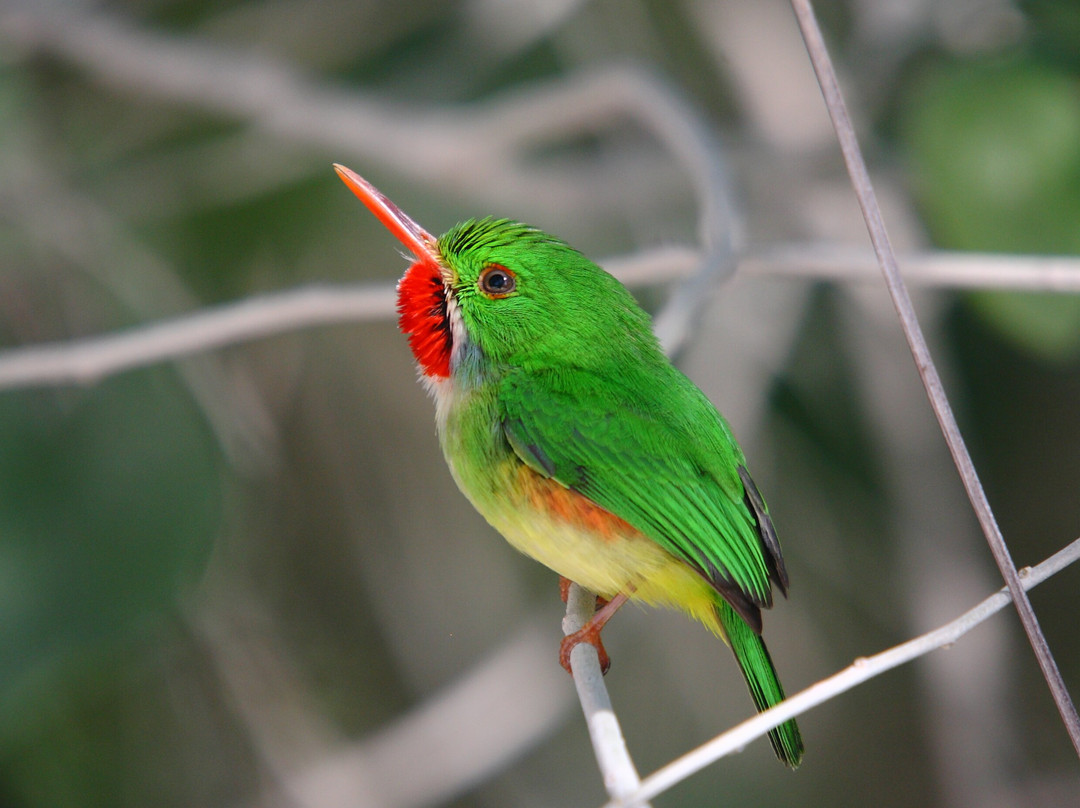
(109,505)
(331,549)
(995,147)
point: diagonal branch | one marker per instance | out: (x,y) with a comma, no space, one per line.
(860,180)
(861,670)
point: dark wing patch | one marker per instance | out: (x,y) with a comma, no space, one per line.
(769,542)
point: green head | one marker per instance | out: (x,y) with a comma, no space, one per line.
(526,297)
(494,293)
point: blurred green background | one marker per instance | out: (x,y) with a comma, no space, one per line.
(247,579)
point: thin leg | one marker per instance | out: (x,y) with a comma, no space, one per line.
(590,633)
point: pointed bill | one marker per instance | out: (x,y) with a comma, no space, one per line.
(418,240)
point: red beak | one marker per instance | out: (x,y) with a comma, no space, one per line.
(418,240)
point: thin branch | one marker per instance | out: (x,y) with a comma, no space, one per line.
(692,141)
(90,359)
(72,226)
(620,776)
(485,142)
(93,358)
(933,268)
(488,143)
(861,670)
(860,180)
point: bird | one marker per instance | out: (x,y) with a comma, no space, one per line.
(566,426)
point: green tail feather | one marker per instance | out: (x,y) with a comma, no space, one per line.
(765,687)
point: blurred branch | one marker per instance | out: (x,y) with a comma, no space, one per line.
(495,713)
(620,776)
(935,391)
(90,359)
(861,670)
(691,139)
(93,358)
(950,269)
(505,705)
(482,149)
(474,147)
(83,233)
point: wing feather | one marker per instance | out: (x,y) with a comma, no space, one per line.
(668,467)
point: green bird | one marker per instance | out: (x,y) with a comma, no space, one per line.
(569,430)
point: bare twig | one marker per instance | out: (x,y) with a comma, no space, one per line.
(935,268)
(93,358)
(860,179)
(620,777)
(72,226)
(847,262)
(691,140)
(479,150)
(90,359)
(862,670)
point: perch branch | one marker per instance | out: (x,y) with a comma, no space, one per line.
(861,670)
(620,777)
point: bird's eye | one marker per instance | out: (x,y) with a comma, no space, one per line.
(497,281)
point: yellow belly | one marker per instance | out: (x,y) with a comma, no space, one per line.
(560,528)
(581,541)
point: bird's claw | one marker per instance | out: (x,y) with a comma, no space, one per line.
(589,634)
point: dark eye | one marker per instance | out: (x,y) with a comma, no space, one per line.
(497,281)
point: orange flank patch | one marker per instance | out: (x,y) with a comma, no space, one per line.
(565,505)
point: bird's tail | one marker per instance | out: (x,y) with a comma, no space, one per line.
(765,687)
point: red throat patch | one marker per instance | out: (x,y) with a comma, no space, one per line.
(422,314)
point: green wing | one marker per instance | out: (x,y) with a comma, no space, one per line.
(654,452)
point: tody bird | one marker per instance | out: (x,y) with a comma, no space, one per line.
(569,430)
